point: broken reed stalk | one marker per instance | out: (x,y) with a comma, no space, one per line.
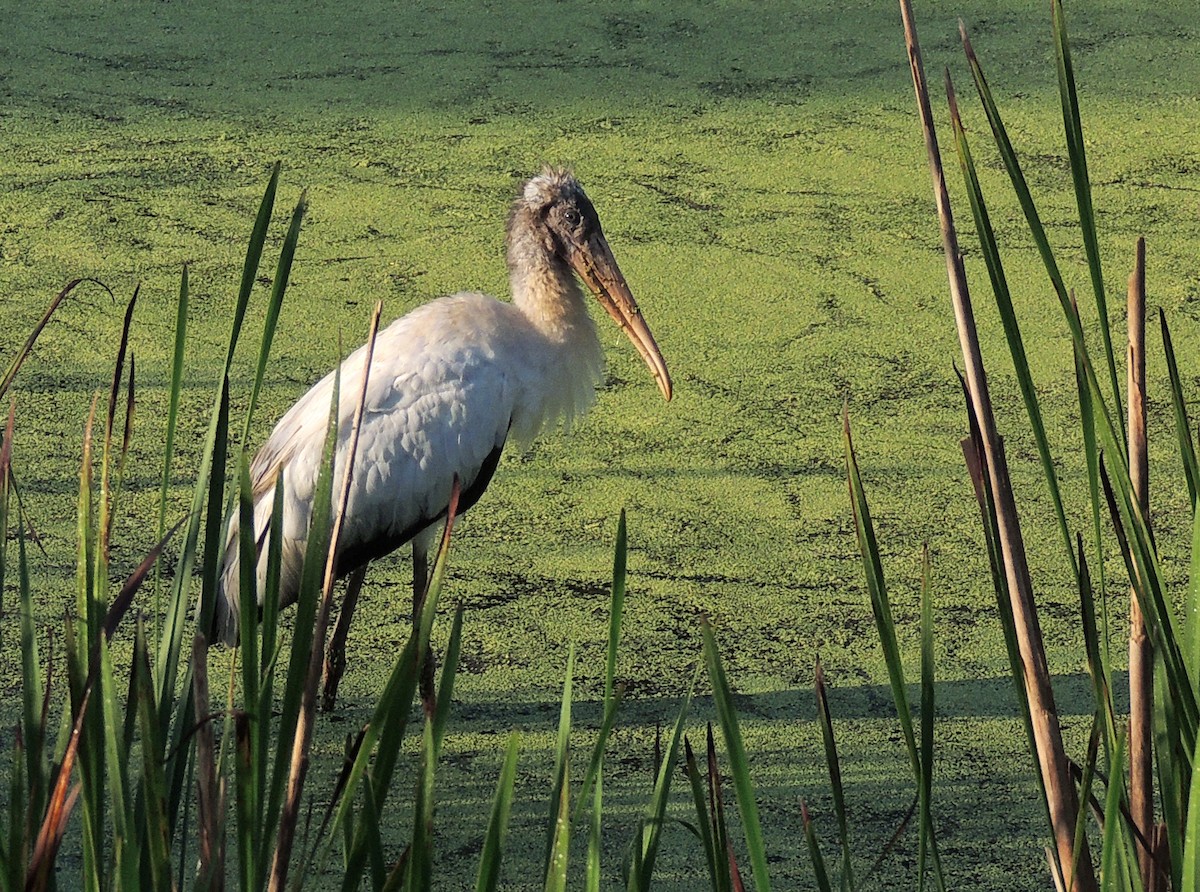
(1062,798)
(303,735)
(1141,656)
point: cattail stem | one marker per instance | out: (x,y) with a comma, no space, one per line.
(1141,655)
(1062,798)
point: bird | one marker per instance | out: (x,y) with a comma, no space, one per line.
(451,384)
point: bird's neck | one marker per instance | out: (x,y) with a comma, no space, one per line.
(544,289)
(568,353)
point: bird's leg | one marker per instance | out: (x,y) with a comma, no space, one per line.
(420,590)
(335,658)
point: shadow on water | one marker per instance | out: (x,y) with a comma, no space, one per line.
(960,699)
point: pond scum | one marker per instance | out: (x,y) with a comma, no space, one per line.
(162,788)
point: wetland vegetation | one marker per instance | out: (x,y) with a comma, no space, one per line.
(760,174)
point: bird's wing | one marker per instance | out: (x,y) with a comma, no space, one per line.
(439,404)
(426,423)
(443,385)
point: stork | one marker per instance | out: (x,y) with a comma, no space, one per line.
(450,384)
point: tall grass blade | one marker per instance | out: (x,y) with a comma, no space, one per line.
(1091,451)
(61,803)
(1009,156)
(123,600)
(1052,760)
(247,802)
(1013,167)
(1191,605)
(833,763)
(820,873)
(1118,864)
(560,836)
(254,248)
(23,353)
(209,484)
(731,876)
(880,605)
(175,390)
(156,848)
(125,839)
(210,795)
(497,828)
(1077,155)
(279,286)
(322,543)
(249,730)
(35,691)
(1183,426)
(87,610)
(928,839)
(290,760)
(420,863)
(592,876)
(445,693)
(718,881)
(739,763)
(1174,774)
(177,714)
(390,718)
(15,850)
(1141,657)
(612,693)
(616,608)
(1097,667)
(1008,317)
(107,491)
(650,832)
(5,489)
(81,632)
(557,823)
(1087,779)
(420,866)
(886,629)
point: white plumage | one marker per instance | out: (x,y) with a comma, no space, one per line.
(450,383)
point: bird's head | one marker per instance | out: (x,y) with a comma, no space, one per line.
(554,206)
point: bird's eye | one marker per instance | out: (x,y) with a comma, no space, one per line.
(572,217)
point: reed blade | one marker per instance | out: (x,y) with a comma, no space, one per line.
(497,829)
(1077,155)
(654,818)
(558,823)
(820,873)
(833,763)
(254,249)
(174,392)
(1183,426)
(1008,318)
(283,272)
(703,818)
(739,762)
(22,354)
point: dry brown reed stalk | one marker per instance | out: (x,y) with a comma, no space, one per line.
(1061,795)
(303,735)
(1141,654)
(62,801)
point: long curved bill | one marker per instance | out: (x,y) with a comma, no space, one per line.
(594,263)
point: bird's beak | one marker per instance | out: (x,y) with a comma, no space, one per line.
(593,261)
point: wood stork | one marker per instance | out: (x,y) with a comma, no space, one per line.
(450,384)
